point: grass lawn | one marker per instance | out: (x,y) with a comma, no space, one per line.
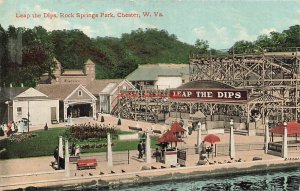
(44,143)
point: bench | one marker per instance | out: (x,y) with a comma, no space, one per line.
(86,164)
(135,128)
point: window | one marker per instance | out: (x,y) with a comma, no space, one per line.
(183,81)
(79,93)
(19,110)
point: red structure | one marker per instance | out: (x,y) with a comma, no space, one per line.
(211,138)
(169,137)
(293,128)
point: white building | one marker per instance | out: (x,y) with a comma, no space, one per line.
(159,76)
(36,106)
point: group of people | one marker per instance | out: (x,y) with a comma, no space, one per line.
(75,151)
(205,151)
(13,127)
(142,151)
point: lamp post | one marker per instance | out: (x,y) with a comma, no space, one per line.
(284,151)
(199,137)
(266,135)
(232,145)
(28,117)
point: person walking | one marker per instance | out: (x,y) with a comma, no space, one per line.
(140,150)
(144,147)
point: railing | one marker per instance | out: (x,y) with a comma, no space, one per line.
(223,149)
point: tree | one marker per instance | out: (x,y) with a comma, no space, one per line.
(292,36)
(242,47)
(201,46)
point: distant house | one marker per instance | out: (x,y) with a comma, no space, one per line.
(75,100)
(25,103)
(159,76)
(62,76)
(107,91)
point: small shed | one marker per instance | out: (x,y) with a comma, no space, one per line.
(38,107)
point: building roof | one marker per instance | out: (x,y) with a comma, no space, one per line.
(175,127)
(205,84)
(168,137)
(150,72)
(89,62)
(97,86)
(57,91)
(31,92)
(73,73)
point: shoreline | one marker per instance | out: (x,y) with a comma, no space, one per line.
(144,177)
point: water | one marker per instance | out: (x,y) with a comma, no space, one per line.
(273,181)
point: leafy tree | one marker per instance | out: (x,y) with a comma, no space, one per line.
(202,46)
(241,47)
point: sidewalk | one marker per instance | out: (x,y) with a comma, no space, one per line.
(17,173)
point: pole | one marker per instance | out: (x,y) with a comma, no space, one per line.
(284,150)
(266,135)
(67,160)
(148,147)
(109,151)
(128,157)
(28,117)
(232,144)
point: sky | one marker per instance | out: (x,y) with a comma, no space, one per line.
(220,22)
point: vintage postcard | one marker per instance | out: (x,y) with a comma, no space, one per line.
(149,95)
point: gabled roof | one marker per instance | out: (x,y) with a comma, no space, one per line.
(89,62)
(175,127)
(168,137)
(31,92)
(57,91)
(80,87)
(150,72)
(96,86)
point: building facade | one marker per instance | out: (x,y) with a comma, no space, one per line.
(83,77)
(159,76)
(35,106)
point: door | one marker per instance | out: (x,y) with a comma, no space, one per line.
(53,114)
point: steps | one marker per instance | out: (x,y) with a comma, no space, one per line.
(237,132)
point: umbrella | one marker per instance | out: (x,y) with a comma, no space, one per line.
(211,138)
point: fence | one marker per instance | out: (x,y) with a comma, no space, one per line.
(119,157)
(223,149)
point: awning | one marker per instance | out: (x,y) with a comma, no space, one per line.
(292,128)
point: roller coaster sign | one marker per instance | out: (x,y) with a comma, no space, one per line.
(227,95)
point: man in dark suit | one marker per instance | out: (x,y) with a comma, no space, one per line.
(140,149)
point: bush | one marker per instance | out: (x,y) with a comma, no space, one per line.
(102,119)
(119,122)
